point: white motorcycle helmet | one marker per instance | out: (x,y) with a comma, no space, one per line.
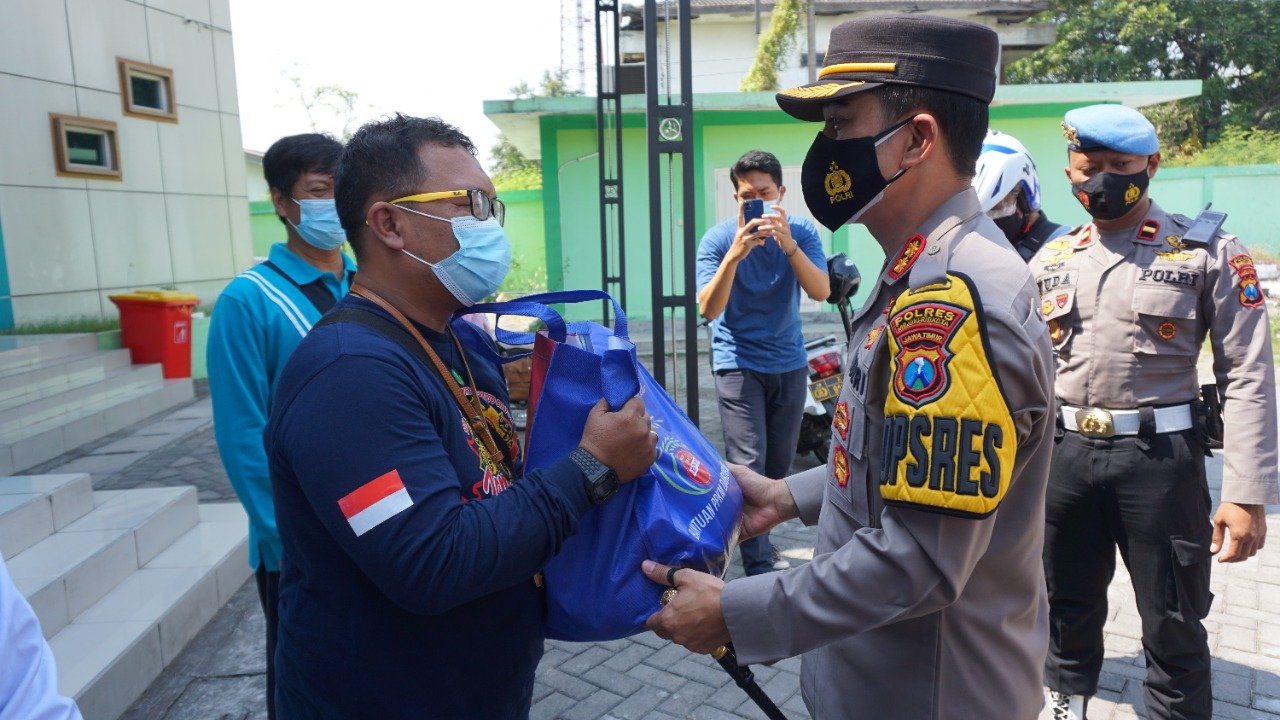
(1003,165)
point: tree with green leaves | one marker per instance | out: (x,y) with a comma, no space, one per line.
(776,44)
(511,169)
(1229,45)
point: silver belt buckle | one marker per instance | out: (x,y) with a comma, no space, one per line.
(1095,423)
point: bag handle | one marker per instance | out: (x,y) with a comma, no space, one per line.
(569,297)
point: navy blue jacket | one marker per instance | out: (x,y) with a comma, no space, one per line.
(431,611)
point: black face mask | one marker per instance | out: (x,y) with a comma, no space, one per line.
(1013,226)
(841,178)
(1107,196)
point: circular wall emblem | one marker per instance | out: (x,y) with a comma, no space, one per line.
(669,129)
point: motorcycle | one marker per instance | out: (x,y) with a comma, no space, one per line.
(826,359)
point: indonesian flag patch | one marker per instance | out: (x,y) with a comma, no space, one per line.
(375,502)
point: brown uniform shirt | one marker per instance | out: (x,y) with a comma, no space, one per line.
(1128,311)
(925,599)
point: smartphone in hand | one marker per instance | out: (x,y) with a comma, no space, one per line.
(751,210)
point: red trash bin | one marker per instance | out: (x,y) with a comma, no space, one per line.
(156,327)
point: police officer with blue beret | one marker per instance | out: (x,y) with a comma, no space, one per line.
(1129,299)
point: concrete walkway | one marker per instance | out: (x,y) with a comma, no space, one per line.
(221,673)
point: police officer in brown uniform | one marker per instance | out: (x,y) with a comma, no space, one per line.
(1129,299)
(925,599)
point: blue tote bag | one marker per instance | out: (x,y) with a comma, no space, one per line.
(683,512)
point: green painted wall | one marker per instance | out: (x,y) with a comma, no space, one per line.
(570,224)
(528,241)
(265,228)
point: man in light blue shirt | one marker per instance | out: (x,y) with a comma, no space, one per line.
(259,319)
(750,275)
(28,676)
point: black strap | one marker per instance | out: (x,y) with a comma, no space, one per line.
(315,291)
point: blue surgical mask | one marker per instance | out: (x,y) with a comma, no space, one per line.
(480,264)
(318,224)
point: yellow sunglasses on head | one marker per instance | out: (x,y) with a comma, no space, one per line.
(483,207)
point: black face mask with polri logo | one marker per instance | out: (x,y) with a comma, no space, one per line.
(1107,196)
(841,178)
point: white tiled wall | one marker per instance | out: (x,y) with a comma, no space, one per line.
(48,243)
(138,140)
(200,235)
(187,49)
(41,49)
(191,154)
(136,253)
(26,149)
(178,215)
(106,29)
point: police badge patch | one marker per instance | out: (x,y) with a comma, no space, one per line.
(921,333)
(1250,293)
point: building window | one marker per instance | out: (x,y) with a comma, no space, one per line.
(146,91)
(84,147)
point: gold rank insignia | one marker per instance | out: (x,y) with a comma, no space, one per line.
(1178,252)
(1055,331)
(841,421)
(1148,231)
(872,336)
(910,253)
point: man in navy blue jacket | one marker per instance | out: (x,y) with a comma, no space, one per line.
(411,540)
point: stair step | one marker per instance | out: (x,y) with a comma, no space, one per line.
(22,353)
(116,383)
(33,507)
(70,570)
(59,375)
(116,648)
(157,517)
(44,441)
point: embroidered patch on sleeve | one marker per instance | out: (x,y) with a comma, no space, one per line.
(1250,293)
(375,502)
(949,440)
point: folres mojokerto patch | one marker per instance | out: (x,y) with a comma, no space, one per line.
(949,440)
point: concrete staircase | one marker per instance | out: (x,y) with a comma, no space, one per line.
(121,580)
(58,392)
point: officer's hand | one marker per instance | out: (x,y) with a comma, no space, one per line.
(623,440)
(765,502)
(693,618)
(1247,525)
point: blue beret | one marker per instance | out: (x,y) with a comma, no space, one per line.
(1109,127)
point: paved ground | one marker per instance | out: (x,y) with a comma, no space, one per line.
(221,673)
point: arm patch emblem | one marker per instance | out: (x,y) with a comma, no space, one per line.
(949,439)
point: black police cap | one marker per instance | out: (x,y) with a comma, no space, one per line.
(922,50)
